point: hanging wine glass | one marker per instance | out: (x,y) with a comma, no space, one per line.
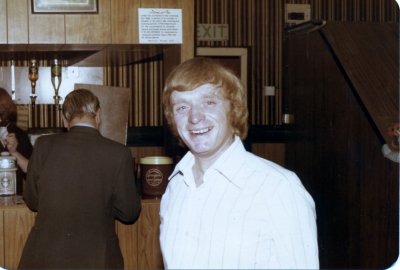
(56,77)
(33,76)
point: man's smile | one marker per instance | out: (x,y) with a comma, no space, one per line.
(200,131)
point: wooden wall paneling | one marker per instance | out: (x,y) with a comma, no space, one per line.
(149,229)
(17,21)
(259,25)
(172,58)
(17,225)
(150,3)
(2,236)
(271,151)
(128,242)
(379,94)
(338,238)
(44,116)
(332,10)
(124,21)
(188,11)
(338,158)
(139,253)
(90,28)
(3,21)
(146,77)
(46,28)
(188,28)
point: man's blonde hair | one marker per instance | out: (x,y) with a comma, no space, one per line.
(199,71)
(79,103)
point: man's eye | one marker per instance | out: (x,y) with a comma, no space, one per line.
(180,109)
(210,102)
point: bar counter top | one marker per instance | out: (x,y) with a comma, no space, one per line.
(11,201)
(16,201)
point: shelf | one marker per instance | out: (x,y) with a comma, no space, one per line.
(84,55)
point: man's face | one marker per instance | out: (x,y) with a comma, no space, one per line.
(201,117)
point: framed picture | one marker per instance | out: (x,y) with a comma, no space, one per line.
(64,6)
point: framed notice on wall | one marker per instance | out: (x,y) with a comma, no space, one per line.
(64,6)
(160,26)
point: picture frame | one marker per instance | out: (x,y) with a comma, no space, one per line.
(64,6)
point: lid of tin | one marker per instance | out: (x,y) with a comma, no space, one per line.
(156,160)
(7,161)
(6,155)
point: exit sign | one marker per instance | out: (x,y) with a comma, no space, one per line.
(297,13)
(212,32)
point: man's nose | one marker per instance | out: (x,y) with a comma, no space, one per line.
(196,114)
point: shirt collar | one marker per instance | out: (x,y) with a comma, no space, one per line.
(228,164)
(82,124)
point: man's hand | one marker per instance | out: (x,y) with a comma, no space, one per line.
(394,132)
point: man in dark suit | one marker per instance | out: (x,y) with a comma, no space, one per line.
(78,182)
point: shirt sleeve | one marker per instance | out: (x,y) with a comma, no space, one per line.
(293,218)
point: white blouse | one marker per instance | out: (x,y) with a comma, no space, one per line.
(248,213)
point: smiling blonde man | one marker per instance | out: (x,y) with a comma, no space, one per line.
(225,207)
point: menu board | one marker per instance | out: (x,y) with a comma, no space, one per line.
(160,26)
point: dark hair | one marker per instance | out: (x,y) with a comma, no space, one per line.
(199,71)
(8,109)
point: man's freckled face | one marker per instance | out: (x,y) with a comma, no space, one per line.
(201,117)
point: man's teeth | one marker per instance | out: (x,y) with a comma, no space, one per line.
(200,131)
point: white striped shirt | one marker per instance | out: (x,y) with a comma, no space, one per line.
(248,213)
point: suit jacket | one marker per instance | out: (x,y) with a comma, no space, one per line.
(78,182)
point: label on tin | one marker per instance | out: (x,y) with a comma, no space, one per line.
(154,177)
(7,183)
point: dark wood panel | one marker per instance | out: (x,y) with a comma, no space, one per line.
(368,54)
(337,155)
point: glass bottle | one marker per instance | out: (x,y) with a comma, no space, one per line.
(56,77)
(33,76)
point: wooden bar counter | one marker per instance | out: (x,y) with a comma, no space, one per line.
(139,242)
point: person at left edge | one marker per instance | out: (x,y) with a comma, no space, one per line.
(79,182)
(17,141)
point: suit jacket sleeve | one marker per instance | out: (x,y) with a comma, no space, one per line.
(30,192)
(126,199)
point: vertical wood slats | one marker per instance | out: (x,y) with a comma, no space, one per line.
(145,79)
(251,24)
(256,24)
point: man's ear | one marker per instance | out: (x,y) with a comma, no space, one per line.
(97,118)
